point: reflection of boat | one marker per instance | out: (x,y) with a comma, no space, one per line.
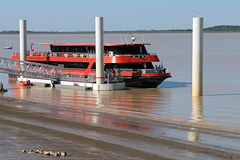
(133,60)
(25,83)
(9,47)
(77,105)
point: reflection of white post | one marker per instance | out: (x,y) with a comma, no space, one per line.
(197,109)
(99,50)
(197,56)
(23,39)
(197,115)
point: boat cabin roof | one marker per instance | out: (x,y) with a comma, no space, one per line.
(116,49)
(112,45)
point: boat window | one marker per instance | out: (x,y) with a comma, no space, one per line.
(129,65)
(149,65)
(81,49)
(94,66)
(82,65)
(67,49)
(127,49)
(75,49)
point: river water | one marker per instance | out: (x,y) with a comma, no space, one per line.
(135,123)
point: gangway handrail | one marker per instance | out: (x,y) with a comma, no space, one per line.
(50,72)
(30,69)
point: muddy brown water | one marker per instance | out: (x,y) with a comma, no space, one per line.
(156,123)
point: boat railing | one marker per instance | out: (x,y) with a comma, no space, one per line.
(31,53)
(156,70)
(75,54)
(113,76)
(77,77)
(17,53)
(91,77)
(152,54)
(63,54)
(168,70)
(69,54)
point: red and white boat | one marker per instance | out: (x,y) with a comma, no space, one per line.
(133,60)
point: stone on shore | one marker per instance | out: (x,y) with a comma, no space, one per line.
(46,153)
(23,151)
(30,151)
(63,154)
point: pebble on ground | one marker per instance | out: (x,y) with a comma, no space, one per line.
(45,152)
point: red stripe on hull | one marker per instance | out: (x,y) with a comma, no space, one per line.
(116,59)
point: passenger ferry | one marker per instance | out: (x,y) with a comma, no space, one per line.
(132,60)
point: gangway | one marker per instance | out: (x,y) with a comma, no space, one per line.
(54,73)
(30,69)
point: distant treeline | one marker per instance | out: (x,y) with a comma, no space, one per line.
(223,28)
(220,28)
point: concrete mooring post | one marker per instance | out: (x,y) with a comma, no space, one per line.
(23,42)
(197,57)
(99,50)
(23,39)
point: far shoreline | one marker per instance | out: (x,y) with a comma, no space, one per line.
(214,29)
(117,32)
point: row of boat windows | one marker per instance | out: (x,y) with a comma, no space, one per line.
(129,65)
(106,66)
(128,49)
(69,64)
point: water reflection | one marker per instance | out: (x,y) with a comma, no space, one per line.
(197,116)
(170,84)
(88,106)
(224,94)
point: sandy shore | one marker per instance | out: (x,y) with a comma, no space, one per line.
(22,128)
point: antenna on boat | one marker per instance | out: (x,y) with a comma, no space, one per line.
(198,14)
(121,39)
(132,38)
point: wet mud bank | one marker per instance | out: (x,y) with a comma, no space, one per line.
(22,127)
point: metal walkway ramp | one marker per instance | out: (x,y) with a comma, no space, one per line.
(30,69)
(50,72)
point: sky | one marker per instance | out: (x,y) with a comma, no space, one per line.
(78,15)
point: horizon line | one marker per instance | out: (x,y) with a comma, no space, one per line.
(230,28)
